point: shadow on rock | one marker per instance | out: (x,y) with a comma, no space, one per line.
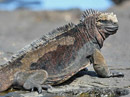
(77,75)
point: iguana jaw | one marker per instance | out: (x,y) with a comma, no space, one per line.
(111,29)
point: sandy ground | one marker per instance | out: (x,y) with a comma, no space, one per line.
(19,28)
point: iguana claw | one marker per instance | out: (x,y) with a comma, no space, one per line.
(116,74)
(32,86)
(46,87)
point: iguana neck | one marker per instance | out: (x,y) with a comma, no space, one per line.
(100,37)
(93,33)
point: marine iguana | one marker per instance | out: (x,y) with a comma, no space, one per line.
(60,54)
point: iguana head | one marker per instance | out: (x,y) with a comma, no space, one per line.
(107,23)
(99,25)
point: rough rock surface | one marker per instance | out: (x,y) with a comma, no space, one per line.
(19,28)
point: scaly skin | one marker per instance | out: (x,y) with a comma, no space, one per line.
(57,56)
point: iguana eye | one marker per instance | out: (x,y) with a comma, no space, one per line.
(103,21)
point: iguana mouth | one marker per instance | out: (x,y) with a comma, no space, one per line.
(111,29)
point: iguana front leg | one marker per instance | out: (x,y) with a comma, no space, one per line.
(101,68)
(31,79)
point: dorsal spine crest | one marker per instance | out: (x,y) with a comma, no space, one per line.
(88,13)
